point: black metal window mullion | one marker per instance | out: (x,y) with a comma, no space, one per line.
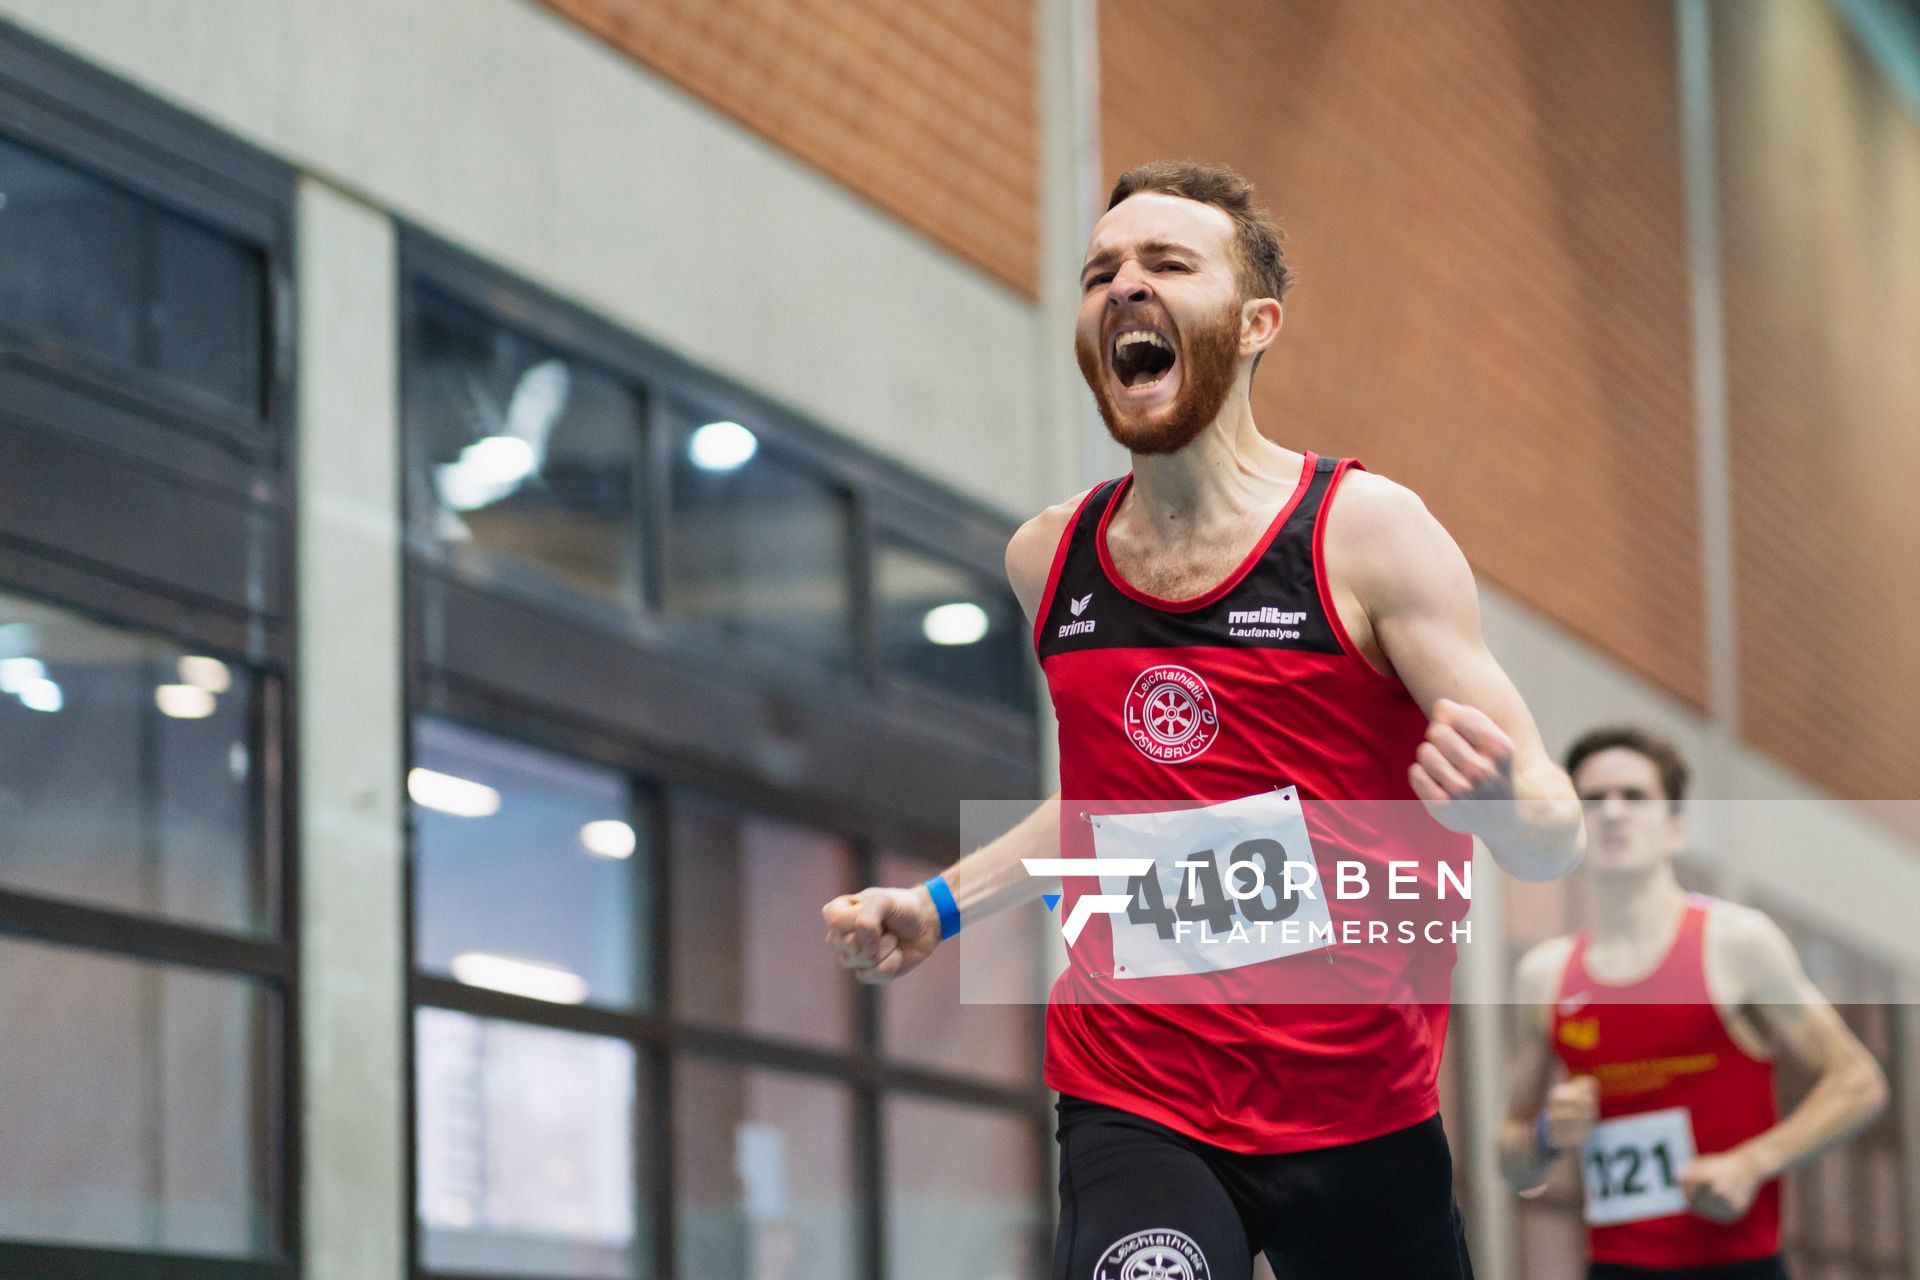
(862,553)
(658,1103)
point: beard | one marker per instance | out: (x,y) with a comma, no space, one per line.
(1210,363)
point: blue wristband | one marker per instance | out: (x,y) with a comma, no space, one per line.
(943,903)
(1540,1136)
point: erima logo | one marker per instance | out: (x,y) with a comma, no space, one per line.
(1266,615)
(1079,607)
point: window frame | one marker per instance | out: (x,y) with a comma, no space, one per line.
(884,497)
(664,1039)
(101,440)
(270,961)
(657,706)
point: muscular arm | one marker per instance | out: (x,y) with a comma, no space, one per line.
(1798,1026)
(1483,768)
(881,933)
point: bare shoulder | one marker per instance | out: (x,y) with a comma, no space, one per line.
(1385,546)
(1372,514)
(1536,982)
(1536,979)
(1030,551)
(1750,948)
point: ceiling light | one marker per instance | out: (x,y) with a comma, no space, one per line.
(449,794)
(722,446)
(498,459)
(609,838)
(183,701)
(41,695)
(962,622)
(520,977)
(210,674)
(17,673)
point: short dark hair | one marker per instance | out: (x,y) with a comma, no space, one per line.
(1263,267)
(1666,757)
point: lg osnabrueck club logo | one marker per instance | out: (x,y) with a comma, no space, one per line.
(1170,714)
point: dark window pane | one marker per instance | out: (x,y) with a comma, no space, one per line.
(69,255)
(747,893)
(130,775)
(758,550)
(530,874)
(519,456)
(87,264)
(526,1149)
(973,1006)
(961,1183)
(206,320)
(133,1104)
(764,1182)
(950,628)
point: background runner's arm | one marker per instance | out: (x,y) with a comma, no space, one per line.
(1801,1027)
(1571,1105)
(1483,769)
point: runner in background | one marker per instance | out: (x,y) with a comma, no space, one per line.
(1665,1016)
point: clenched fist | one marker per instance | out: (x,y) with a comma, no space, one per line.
(1466,760)
(882,933)
(1573,1107)
(1721,1188)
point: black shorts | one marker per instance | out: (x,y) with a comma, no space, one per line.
(1759,1269)
(1139,1201)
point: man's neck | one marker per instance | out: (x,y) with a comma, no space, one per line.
(1643,908)
(1227,472)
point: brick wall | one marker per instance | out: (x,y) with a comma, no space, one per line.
(925,107)
(1820,197)
(1484,202)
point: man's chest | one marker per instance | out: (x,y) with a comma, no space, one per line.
(1193,567)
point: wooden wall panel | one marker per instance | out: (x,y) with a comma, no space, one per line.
(1485,206)
(1820,194)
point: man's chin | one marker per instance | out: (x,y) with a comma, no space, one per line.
(1160,430)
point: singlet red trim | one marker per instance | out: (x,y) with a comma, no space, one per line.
(1231,581)
(1325,587)
(1059,563)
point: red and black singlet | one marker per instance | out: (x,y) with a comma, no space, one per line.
(1659,1044)
(1250,689)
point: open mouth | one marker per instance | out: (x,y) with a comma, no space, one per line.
(1140,358)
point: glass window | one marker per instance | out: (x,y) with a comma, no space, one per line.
(134,1109)
(530,871)
(746,898)
(88,264)
(520,456)
(925,1022)
(758,550)
(950,628)
(130,771)
(526,1147)
(764,1182)
(961,1185)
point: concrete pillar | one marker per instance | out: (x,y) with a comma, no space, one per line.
(352,905)
(1480,1006)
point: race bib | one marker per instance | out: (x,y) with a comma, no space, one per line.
(1631,1167)
(1232,884)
